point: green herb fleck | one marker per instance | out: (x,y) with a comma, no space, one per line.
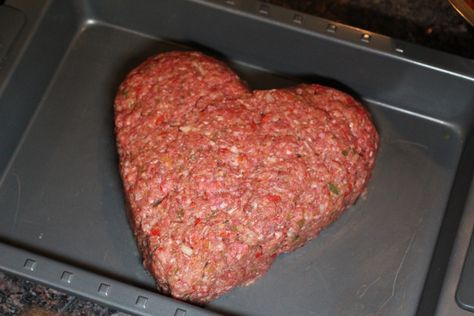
(333,188)
(300,222)
(124,92)
(156,203)
(296,238)
(345,152)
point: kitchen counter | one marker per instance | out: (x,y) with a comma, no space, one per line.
(431,23)
(22,297)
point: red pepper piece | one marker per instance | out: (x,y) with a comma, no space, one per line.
(253,126)
(274,198)
(159,119)
(265,118)
(155,231)
(224,151)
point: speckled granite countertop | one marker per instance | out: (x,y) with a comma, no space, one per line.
(431,23)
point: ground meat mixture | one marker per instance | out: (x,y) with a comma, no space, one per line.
(221,179)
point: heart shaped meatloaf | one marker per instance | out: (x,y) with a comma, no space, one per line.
(220,179)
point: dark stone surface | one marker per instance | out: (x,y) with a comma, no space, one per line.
(18,295)
(430,23)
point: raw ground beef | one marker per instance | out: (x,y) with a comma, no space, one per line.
(221,179)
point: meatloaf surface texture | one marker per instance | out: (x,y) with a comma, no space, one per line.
(221,179)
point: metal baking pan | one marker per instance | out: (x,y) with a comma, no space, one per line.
(63,220)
